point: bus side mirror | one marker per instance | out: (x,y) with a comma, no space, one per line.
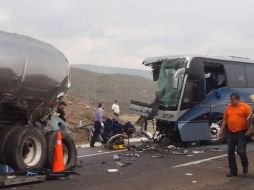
(179,72)
(176,77)
(175,83)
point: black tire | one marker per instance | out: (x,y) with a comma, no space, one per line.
(69,149)
(215,128)
(25,149)
(4,134)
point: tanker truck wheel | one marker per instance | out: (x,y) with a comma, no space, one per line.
(69,150)
(26,149)
(5,132)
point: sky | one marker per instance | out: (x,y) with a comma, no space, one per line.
(122,33)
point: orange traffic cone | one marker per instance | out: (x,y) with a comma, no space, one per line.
(58,164)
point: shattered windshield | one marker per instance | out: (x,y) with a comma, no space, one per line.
(169,96)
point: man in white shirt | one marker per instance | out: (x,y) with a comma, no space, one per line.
(115,108)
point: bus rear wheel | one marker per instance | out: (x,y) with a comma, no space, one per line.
(215,129)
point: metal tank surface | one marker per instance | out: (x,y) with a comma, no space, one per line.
(34,76)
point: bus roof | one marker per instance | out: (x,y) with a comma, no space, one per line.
(154,60)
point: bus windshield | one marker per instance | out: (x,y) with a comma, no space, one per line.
(168,95)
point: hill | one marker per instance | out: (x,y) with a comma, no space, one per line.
(95,87)
(114,70)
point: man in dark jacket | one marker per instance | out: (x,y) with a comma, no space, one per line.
(60,110)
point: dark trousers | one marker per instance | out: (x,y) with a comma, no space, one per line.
(96,133)
(237,142)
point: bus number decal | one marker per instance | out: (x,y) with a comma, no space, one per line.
(167,115)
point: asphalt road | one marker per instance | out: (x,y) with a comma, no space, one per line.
(195,171)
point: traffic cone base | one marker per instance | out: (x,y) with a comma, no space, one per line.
(58,163)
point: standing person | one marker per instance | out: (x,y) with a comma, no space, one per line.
(235,118)
(60,110)
(116,108)
(98,125)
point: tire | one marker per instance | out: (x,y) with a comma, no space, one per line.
(215,129)
(69,149)
(25,149)
(5,132)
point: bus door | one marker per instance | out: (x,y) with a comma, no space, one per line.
(194,124)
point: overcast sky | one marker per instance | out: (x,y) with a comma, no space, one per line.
(123,32)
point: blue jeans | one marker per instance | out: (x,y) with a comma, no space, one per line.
(237,142)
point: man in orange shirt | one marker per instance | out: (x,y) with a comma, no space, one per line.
(235,118)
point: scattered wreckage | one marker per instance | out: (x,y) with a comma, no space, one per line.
(115,132)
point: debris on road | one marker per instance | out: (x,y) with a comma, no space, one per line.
(188,174)
(120,164)
(157,156)
(132,155)
(198,151)
(184,152)
(99,152)
(113,170)
(194,181)
(171,147)
(116,157)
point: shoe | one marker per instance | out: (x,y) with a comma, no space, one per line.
(231,174)
(245,171)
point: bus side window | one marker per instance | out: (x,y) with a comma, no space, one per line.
(214,77)
(236,76)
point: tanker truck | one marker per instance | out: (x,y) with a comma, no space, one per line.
(34,77)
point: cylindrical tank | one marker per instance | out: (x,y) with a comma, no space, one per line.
(32,75)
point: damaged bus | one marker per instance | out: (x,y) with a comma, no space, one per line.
(193,92)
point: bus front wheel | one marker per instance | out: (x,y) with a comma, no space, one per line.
(215,129)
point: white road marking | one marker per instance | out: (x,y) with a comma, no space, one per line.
(200,161)
(98,154)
